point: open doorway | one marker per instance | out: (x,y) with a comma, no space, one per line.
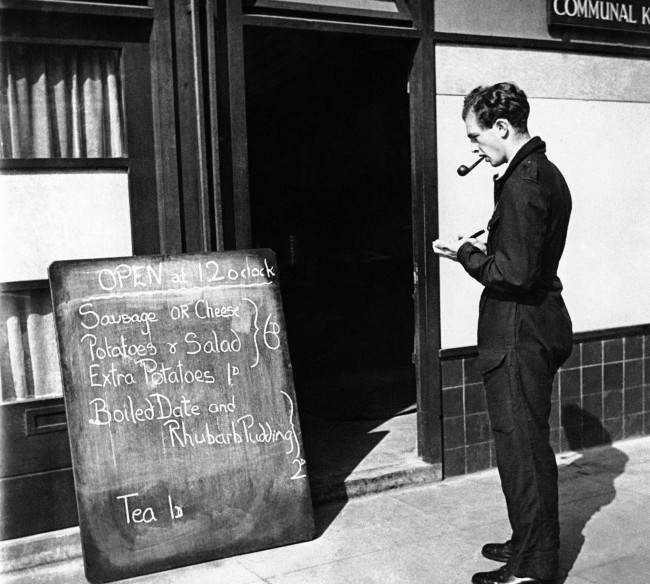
(329,160)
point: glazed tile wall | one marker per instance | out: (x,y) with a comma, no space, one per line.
(601,394)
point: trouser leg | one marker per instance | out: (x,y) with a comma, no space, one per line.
(521,390)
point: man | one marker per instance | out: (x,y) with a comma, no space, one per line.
(524,329)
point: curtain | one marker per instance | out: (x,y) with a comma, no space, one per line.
(60,102)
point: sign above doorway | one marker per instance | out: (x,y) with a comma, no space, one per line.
(600,15)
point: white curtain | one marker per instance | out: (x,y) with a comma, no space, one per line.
(60,102)
(28,358)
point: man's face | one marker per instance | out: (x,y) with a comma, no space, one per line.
(488,143)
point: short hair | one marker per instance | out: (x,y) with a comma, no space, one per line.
(502,100)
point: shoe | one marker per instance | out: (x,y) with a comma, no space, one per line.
(499,552)
(501,576)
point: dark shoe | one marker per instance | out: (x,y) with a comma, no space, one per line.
(501,576)
(499,552)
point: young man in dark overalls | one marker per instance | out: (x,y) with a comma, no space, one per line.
(524,329)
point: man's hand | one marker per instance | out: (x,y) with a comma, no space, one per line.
(449,249)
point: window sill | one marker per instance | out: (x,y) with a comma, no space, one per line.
(24,286)
(63,163)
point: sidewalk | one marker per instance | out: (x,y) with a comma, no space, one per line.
(433,533)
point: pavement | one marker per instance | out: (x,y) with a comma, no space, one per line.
(425,534)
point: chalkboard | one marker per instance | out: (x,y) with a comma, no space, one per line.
(184,432)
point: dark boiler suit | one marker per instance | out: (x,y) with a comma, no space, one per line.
(524,335)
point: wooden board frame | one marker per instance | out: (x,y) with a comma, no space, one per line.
(184,431)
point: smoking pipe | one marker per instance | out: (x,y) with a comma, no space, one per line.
(462,170)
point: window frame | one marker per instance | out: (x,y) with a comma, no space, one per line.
(137,90)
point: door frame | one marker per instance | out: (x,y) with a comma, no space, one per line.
(422,89)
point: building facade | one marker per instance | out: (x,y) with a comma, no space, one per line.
(329,131)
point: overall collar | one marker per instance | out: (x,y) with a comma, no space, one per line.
(533,145)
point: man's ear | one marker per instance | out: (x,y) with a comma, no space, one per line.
(503,127)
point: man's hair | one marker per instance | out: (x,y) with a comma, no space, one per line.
(503,100)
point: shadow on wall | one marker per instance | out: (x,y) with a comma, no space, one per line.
(579,500)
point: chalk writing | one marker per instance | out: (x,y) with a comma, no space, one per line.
(203,310)
(134,514)
(233,371)
(105,349)
(297,461)
(91,319)
(213,343)
(154,407)
(114,377)
(157,373)
(257,330)
(243,430)
(125,275)
(271,334)
(208,326)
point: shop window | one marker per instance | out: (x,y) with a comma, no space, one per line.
(77,180)
(61,115)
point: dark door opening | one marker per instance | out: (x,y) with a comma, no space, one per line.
(328,136)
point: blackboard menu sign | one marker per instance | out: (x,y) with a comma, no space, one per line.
(178,387)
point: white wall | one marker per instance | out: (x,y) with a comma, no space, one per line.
(509,18)
(49,216)
(593,113)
